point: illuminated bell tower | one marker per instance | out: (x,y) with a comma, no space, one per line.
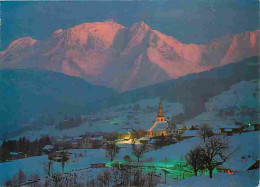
(159,116)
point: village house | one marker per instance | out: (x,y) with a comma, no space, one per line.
(246,163)
(172,130)
(88,142)
(144,140)
(252,127)
(181,128)
(126,134)
(58,156)
(216,131)
(190,133)
(47,149)
(229,130)
(16,155)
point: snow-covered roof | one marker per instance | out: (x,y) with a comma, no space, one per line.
(96,138)
(145,139)
(228,130)
(190,133)
(238,164)
(125,130)
(229,126)
(47,147)
(159,126)
(93,138)
(77,138)
(216,131)
(14,153)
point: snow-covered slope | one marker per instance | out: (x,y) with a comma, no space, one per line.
(80,158)
(115,118)
(240,103)
(244,144)
(219,180)
(244,93)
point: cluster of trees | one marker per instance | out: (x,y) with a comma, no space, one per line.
(62,180)
(138,150)
(24,146)
(164,141)
(213,152)
(69,123)
(126,176)
(21,178)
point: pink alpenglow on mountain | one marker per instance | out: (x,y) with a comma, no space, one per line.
(107,53)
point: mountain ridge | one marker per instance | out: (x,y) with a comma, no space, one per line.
(30,96)
(192,90)
(125,58)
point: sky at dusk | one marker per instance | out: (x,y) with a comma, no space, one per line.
(189,21)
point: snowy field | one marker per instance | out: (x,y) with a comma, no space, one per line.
(246,142)
(34,165)
(242,179)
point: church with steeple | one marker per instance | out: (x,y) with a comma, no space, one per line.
(160,117)
(160,125)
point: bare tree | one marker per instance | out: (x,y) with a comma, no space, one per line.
(139,150)
(126,173)
(194,158)
(17,179)
(112,150)
(205,131)
(36,180)
(116,177)
(215,152)
(47,167)
(139,178)
(178,138)
(21,176)
(64,180)
(104,178)
(152,178)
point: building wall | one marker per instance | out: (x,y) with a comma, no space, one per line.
(127,135)
(89,144)
(159,133)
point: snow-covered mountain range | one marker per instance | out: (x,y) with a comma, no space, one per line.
(107,53)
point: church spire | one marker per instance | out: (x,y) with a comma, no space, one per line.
(160,116)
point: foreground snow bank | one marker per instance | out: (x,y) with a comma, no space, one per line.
(219,180)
